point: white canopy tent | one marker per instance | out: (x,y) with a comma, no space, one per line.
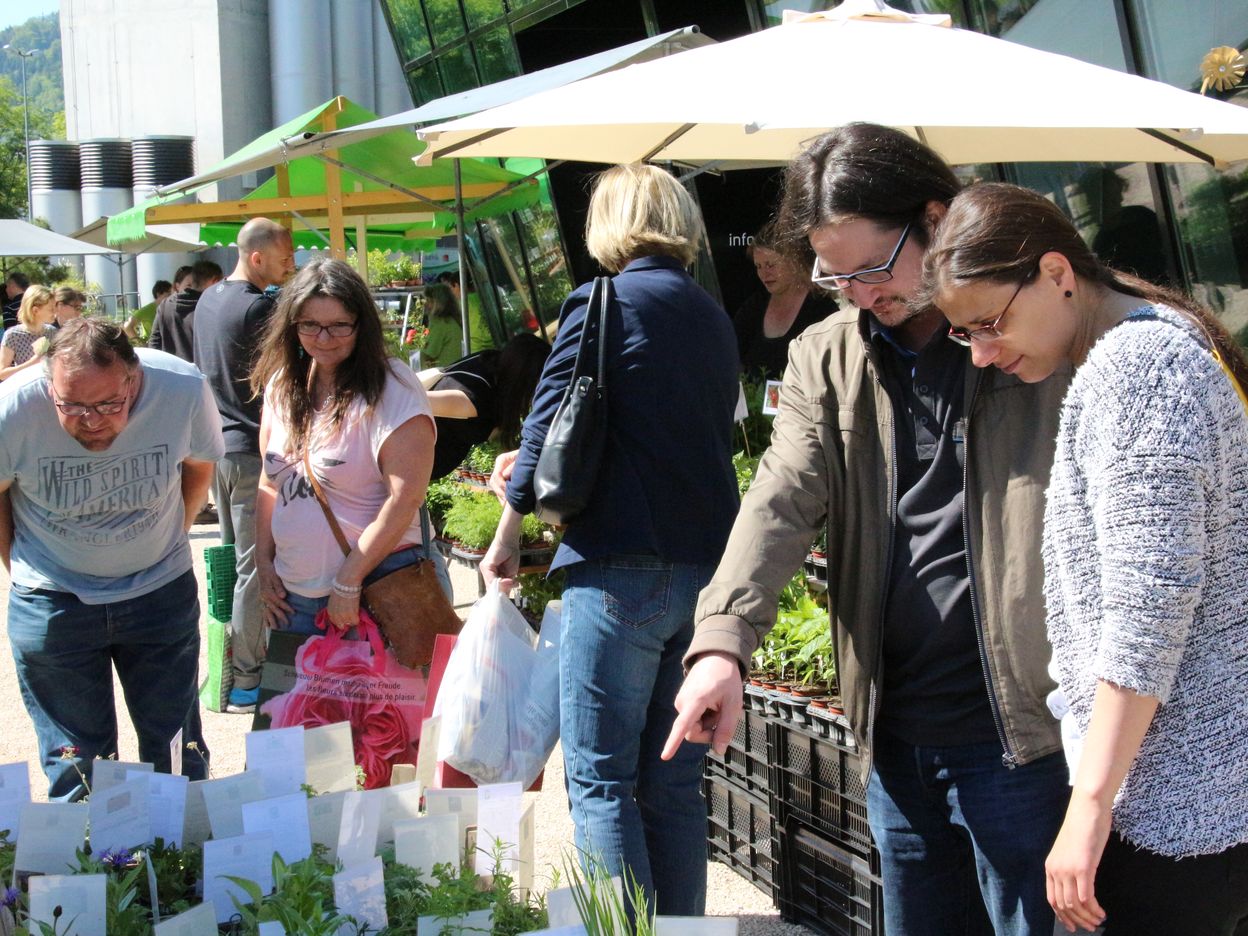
(972,97)
(20,239)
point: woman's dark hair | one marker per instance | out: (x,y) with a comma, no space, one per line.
(283,361)
(440,301)
(997,233)
(860,170)
(520,364)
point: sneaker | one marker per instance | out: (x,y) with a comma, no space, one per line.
(207,515)
(243,701)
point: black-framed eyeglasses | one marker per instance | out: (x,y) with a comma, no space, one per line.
(104,408)
(989,332)
(336,330)
(871,275)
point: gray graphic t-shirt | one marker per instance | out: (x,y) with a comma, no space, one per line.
(105,526)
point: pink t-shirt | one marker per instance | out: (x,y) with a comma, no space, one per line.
(346,466)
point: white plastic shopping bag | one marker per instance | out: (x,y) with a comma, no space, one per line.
(485,700)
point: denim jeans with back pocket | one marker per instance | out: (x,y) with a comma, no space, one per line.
(627,622)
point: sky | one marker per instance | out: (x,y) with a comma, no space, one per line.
(13,12)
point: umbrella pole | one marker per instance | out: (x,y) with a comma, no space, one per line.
(461,243)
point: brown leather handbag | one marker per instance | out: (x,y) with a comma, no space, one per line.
(408,603)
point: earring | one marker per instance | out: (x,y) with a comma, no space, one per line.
(1069,294)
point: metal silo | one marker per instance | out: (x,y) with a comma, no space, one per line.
(158,161)
(106,190)
(54,190)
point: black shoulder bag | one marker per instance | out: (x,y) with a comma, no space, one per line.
(567,468)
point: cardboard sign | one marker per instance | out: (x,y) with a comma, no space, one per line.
(166,801)
(459,803)
(52,833)
(224,800)
(81,899)
(244,856)
(278,756)
(14,794)
(286,819)
(120,817)
(329,758)
(109,773)
(325,822)
(360,892)
(499,806)
(428,841)
(427,754)
(200,920)
(357,833)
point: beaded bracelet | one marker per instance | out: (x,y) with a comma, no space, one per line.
(346,591)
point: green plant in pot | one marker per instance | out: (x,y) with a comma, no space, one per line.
(472,521)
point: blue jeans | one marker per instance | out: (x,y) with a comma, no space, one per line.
(303,621)
(963,838)
(65,652)
(627,622)
(235,482)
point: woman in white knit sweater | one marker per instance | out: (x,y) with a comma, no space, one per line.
(1146,560)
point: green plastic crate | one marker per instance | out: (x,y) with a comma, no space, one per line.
(214,694)
(221,575)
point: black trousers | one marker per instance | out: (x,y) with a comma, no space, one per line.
(1146,894)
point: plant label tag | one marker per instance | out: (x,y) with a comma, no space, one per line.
(428,841)
(499,806)
(460,803)
(224,801)
(14,794)
(286,819)
(360,892)
(249,857)
(743,407)
(120,817)
(80,898)
(271,928)
(477,923)
(195,825)
(200,920)
(166,801)
(110,773)
(278,756)
(561,909)
(402,773)
(695,926)
(357,833)
(329,758)
(52,833)
(325,821)
(175,754)
(397,804)
(427,753)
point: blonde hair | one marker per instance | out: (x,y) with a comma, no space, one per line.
(34,298)
(639,211)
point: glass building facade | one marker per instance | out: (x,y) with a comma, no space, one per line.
(1187,225)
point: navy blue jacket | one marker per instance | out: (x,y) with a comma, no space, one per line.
(666,487)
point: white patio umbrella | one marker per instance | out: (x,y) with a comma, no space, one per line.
(20,239)
(972,97)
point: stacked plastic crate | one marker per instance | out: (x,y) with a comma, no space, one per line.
(220,573)
(787,811)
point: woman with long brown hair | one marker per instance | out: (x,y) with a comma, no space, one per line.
(1145,554)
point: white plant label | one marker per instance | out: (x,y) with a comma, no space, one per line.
(80,897)
(249,857)
(278,756)
(51,835)
(286,819)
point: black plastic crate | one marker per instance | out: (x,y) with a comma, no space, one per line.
(816,781)
(741,834)
(747,762)
(827,887)
(221,573)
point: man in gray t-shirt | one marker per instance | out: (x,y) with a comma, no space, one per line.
(107,459)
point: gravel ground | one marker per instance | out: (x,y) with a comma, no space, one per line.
(728,894)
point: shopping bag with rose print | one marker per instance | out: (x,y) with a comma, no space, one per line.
(328,679)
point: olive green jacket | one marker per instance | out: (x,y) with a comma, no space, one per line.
(832,461)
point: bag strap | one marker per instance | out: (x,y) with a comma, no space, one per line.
(320,499)
(595,325)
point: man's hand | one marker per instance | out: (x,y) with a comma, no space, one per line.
(504,464)
(708,705)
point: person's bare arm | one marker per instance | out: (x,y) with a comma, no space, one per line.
(451,404)
(276,609)
(196,479)
(6,524)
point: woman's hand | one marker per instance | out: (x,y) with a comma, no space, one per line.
(1070,869)
(501,561)
(504,465)
(273,602)
(343,610)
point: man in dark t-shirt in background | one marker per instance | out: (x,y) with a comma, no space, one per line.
(229,325)
(173,328)
(14,288)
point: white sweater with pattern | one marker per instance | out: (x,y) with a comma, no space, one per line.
(1146,573)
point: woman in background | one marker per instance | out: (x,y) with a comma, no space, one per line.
(20,348)
(1145,559)
(446,335)
(69,304)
